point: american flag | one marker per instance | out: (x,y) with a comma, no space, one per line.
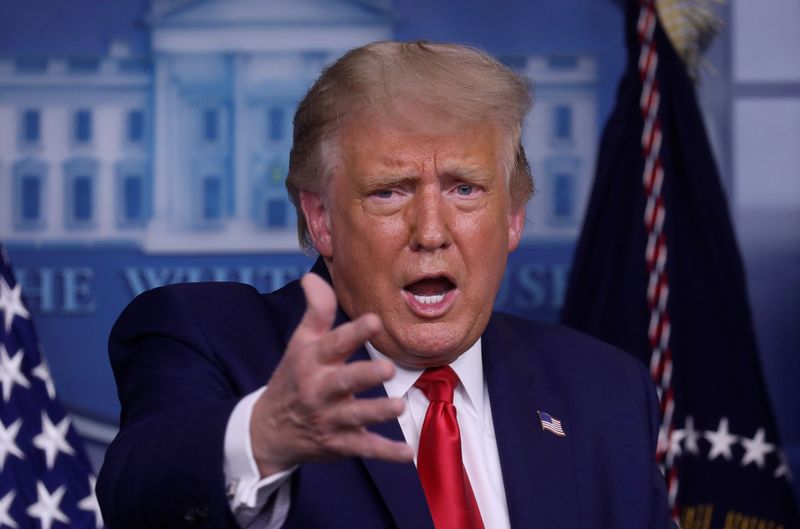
(657,272)
(45,477)
(551,424)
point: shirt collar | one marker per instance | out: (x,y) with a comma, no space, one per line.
(468,367)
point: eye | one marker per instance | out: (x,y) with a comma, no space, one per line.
(384,193)
(465,189)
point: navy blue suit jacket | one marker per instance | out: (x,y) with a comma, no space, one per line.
(184,355)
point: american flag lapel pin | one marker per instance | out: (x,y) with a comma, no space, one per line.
(551,424)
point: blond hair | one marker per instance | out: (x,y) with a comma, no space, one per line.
(459,80)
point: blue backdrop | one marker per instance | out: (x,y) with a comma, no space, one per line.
(147,189)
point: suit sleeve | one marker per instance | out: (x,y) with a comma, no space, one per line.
(165,467)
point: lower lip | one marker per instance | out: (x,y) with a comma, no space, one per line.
(430,310)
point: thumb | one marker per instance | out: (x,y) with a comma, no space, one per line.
(320,306)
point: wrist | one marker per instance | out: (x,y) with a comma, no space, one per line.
(267,443)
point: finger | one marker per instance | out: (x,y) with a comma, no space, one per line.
(355,377)
(358,413)
(338,344)
(373,446)
(320,306)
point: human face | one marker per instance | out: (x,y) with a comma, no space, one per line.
(416,228)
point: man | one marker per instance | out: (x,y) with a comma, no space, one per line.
(411,403)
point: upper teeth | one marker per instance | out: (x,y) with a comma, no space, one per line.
(429,300)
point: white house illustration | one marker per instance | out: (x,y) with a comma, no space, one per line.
(185,150)
(560,141)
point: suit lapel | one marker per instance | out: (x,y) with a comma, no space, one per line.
(398,484)
(538,466)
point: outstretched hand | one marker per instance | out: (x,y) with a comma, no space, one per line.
(309,411)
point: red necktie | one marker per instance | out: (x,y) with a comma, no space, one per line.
(439,463)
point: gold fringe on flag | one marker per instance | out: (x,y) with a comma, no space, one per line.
(691,26)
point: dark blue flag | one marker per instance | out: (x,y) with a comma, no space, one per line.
(45,477)
(657,272)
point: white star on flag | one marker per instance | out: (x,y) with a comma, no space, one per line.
(53,439)
(42,372)
(721,441)
(46,507)
(11,303)
(10,371)
(675,438)
(89,503)
(5,505)
(783,468)
(8,442)
(692,436)
(756,449)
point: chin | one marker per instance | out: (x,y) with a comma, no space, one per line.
(429,349)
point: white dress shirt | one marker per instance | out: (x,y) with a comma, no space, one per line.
(248,495)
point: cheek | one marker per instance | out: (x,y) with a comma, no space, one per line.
(367,252)
(485,249)
(375,236)
(487,228)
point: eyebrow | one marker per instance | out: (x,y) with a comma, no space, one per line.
(397,175)
(380,181)
(469,173)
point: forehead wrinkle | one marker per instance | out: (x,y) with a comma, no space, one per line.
(393,170)
(397,164)
(394,164)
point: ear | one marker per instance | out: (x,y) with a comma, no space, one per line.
(516,222)
(318,222)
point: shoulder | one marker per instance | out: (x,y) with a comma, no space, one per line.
(559,344)
(571,359)
(216,316)
(208,305)
(200,328)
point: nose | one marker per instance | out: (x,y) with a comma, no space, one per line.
(430,227)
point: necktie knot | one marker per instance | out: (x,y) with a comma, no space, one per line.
(438,383)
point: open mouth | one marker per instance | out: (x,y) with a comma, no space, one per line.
(430,293)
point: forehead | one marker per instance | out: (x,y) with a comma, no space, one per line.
(414,138)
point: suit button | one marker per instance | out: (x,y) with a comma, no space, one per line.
(194,515)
